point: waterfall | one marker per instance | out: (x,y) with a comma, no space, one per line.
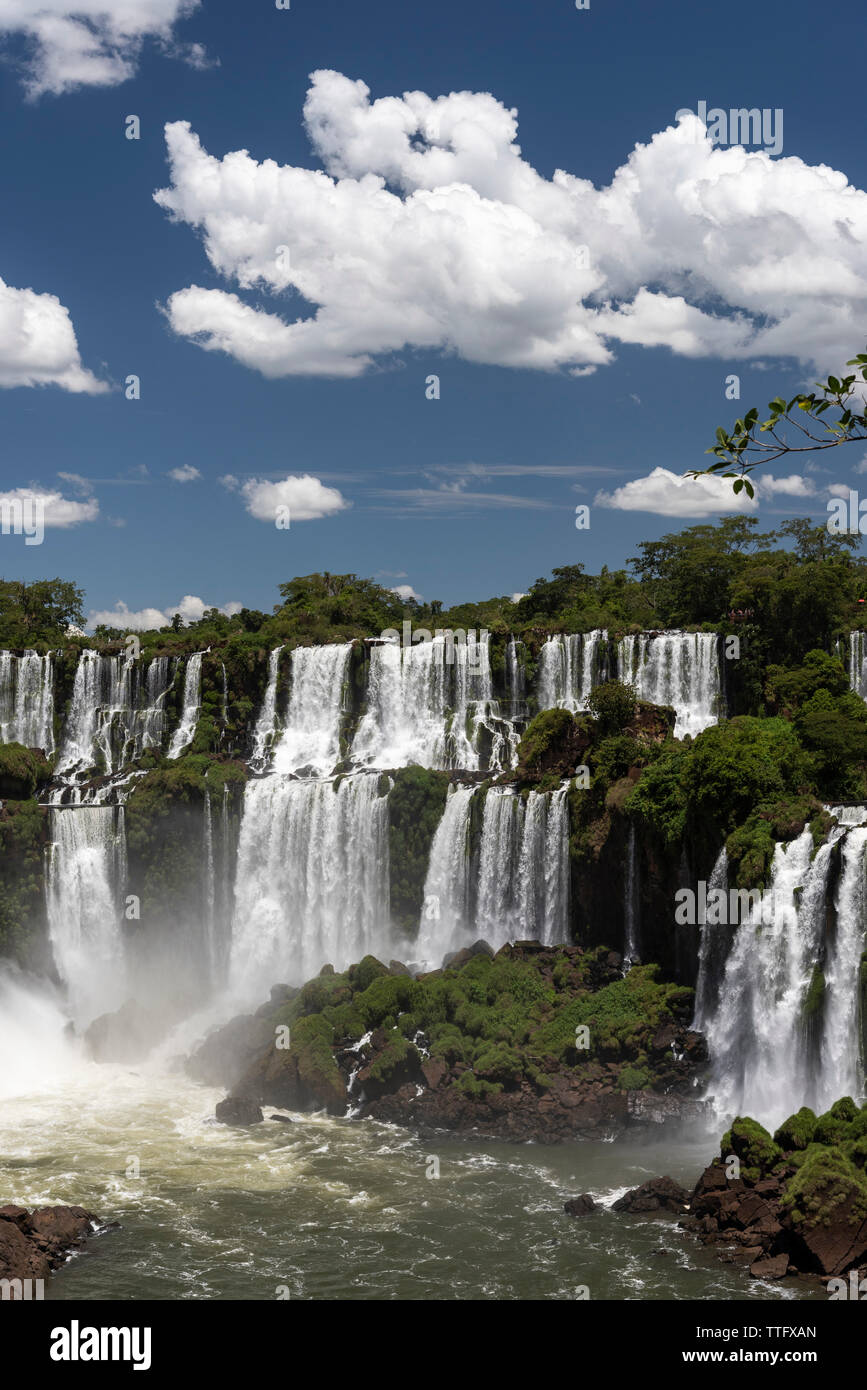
(114,715)
(631,901)
(445,921)
(569,667)
(842,1065)
(774,1045)
(311,737)
(516,682)
(312,879)
(84,890)
(266,725)
(429,704)
(210,887)
(224,709)
(680,669)
(858,664)
(27,700)
(709,954)
(185,732)
(523,877)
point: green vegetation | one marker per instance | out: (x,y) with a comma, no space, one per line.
(822,1161)
(504,1021)
(415,806)
(22,902)
(21,771)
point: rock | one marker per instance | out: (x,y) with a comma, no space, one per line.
(396,967)
(19,1257)
(434,1070)
(580,1206)
(659,1194)
(773,1267)
(837,1246)
(34,1243)
(284,1119)
(127,1035)
(226,1054)
(238,1110)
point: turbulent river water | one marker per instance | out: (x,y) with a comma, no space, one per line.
(327,1208)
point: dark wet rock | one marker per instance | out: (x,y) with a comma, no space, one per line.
(659,1194)
(33,1243)
(284,1119)
(227,1052)
(238,1110)
(770,1267)
(580,1206)
(397,967)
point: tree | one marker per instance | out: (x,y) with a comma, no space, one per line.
(612,705)
(40,611)
(742,450)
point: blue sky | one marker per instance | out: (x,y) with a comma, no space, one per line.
(752,265)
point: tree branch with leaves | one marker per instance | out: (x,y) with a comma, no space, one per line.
(743,450)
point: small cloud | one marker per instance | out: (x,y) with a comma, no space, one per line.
(793,486)
(862,466)
(306,498)
(55,509)
(229,482)
(185,474)
(516,598)
(406,591)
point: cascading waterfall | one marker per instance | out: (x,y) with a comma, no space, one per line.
(311,737)
(569,667)
(840,1051)
(27,700)
(312,883)
(429,704)
(114,715)
(680,669)
(266,725)
(183,735)
(711,948)
(523,878)
(858,664)
(516,681)
(446,911)
(776,1040)
(631,900)
(84,890)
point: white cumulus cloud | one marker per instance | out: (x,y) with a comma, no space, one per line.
(186,473)
(668,494)
(306,498)
(406,591)
(38,346)
(91,43)
(53,508)
(428,230)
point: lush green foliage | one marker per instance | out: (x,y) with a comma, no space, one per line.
(415,807)
(504,1020)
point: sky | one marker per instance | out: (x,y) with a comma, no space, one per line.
(392,289)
